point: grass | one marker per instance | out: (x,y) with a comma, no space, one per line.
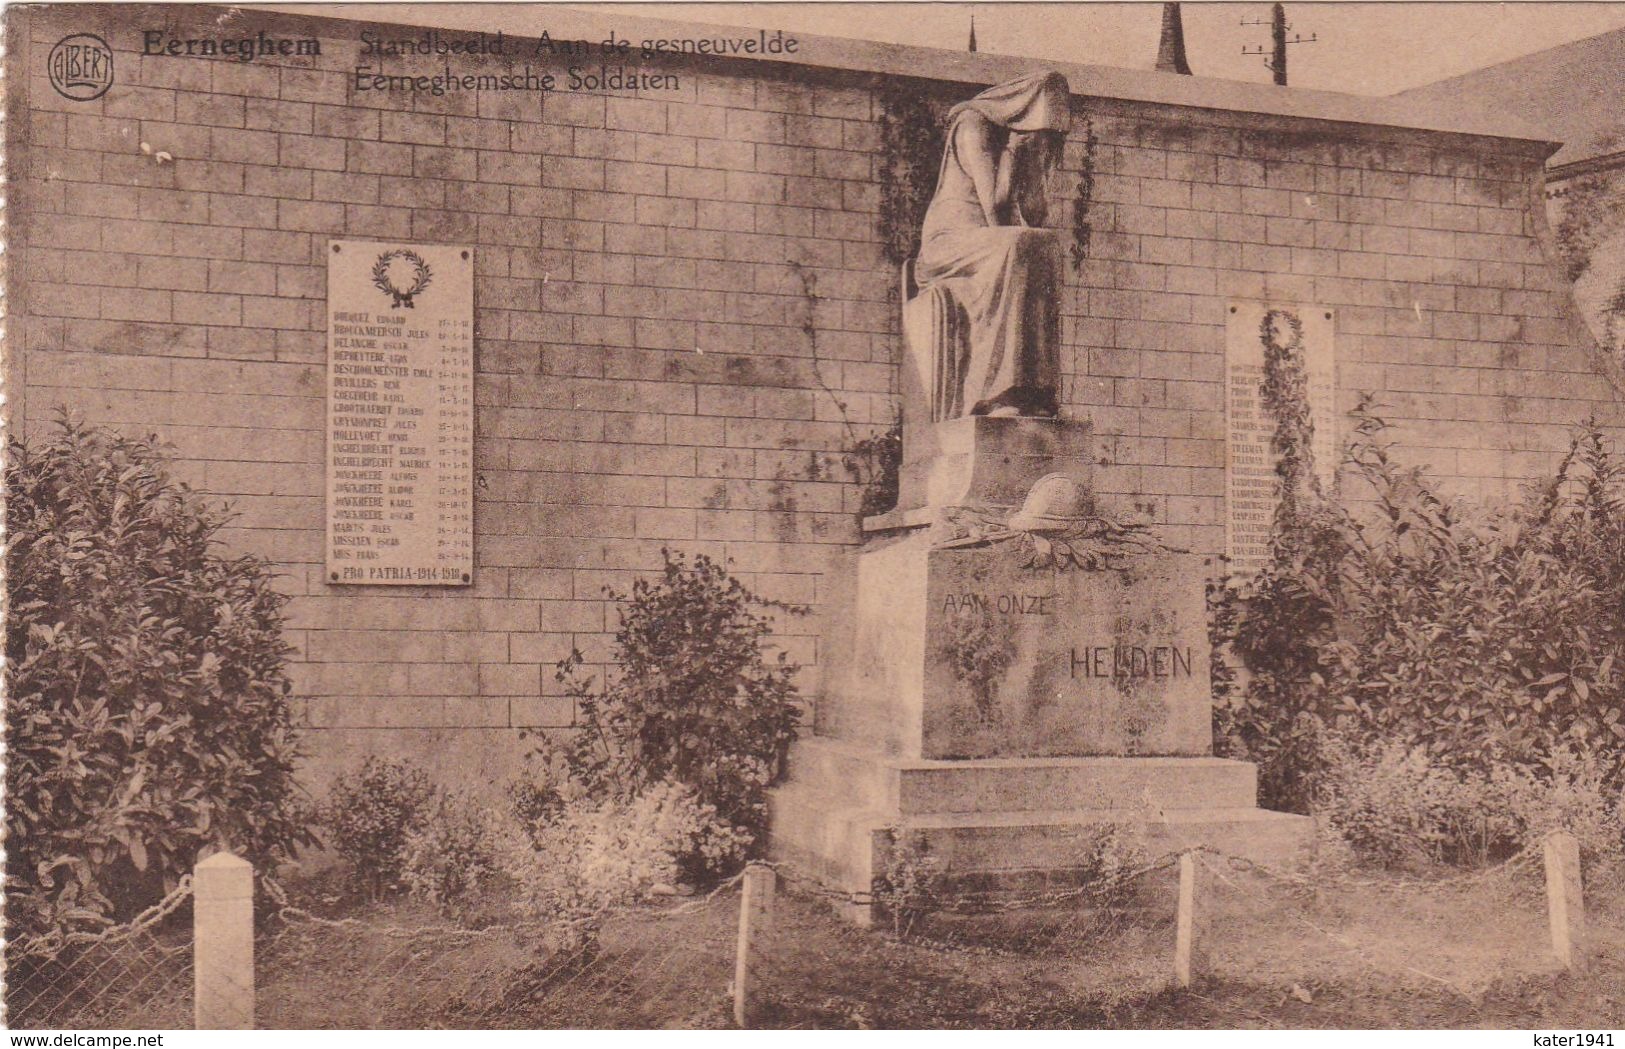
(1351,951)
(1370,952)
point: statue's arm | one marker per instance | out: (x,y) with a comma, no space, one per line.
(1029,169)
(1007,206)
(1032,208)
(973,140)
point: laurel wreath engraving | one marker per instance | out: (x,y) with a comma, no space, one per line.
(1095,543)
(1266,332)
(422,275)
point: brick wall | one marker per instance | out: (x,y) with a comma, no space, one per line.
(684,317)
(1432,250)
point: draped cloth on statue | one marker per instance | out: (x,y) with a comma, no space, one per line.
(1005,278)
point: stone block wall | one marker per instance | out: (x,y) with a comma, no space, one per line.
(1431,250)
(685,319)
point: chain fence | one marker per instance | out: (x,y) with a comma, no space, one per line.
(956,956)
(1275,948)
(661,963)
(773,947)
(135,976)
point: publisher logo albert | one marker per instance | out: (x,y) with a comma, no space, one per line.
(81,67)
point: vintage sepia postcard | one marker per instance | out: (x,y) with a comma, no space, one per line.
(823,516)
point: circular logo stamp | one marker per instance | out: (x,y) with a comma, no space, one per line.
(81,67)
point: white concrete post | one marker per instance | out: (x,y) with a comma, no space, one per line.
(859,907)
(1191,930)
(755,919)
(1565,905)
(223,944)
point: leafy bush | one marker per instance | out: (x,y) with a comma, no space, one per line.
(454,853)
(147,705)
(695,700)
(909,883)
(596,853)
(368,815)
(1397,807)
(1391,804)
(1566,793)
(1481,637)
(533,805)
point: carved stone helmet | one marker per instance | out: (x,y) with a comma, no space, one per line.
(1056,503)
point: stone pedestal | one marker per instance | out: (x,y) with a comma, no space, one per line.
(984,461)
(964,653)
(1004,692)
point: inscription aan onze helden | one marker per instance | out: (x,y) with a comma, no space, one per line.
(1093,661)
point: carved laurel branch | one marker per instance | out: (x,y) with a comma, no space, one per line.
(1094,543)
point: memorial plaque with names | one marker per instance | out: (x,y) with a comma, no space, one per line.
(400,413)
(1252,488)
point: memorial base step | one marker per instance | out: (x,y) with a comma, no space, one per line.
(1014,824)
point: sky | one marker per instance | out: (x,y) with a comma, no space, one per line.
(1362,48)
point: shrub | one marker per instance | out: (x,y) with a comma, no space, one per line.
(533,805)
(1472,634)
(1397,807)
(596,853)
(909,883)
(147,705)
(695,700)
(456,851)
(1566,792)
(1391,804)
(368,815)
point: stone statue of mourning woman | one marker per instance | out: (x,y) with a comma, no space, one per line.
(981,308)
(981,311)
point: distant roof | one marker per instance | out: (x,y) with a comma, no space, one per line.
(529,19)
(1575,93)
